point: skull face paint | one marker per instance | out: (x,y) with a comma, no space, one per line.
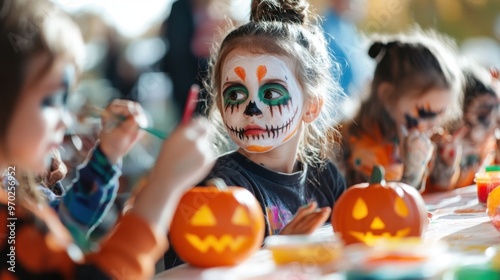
(262,102)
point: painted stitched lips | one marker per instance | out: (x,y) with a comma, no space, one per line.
(256,132)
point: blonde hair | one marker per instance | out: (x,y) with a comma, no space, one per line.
(283,28)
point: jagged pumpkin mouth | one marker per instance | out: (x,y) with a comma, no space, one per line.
(226,241)
(370,238)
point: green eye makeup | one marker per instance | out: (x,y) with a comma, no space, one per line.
(234,96)
(275,96)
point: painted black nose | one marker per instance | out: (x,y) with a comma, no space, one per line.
(252,110)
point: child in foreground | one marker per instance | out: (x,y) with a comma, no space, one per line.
(33,119)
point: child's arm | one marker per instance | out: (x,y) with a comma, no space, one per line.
(132,248)
(89,197)
(175,170)
(94,189)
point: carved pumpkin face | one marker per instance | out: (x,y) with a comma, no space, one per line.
(213,227)
(370,211)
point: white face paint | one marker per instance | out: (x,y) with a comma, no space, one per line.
(262,101)
(39,121)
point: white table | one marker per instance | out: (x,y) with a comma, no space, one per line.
(457,218)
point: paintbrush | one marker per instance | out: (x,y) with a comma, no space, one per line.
(191,102)
(120,118)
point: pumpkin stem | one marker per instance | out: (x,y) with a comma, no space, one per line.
(378,175)
(218,183)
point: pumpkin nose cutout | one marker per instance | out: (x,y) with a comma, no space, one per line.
(252,110)
(377,224)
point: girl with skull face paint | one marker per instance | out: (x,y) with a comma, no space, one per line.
(415,88)
(472,137)
(271,94)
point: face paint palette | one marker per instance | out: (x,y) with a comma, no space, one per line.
(406,258)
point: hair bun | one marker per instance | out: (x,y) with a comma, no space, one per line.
(375,49)
(378,49)
(291,11)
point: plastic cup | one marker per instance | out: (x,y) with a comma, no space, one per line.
(486,182)
(494,172)
(483,184)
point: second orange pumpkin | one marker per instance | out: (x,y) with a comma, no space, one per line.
(369,211)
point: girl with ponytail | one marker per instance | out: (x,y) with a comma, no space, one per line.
(416,86)
(271,93)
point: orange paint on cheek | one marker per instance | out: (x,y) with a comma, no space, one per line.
(261,72)
(260,149)
(291,134)
(240,72)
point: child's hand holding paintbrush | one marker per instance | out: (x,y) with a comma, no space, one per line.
(124,123)
(115,119)
(121,122)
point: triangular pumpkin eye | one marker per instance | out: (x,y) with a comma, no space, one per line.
(203,217)
(400,207)
(360,210)
(240,217)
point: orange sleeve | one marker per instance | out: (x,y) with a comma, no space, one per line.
(33,245)
(41,247)
(131,250)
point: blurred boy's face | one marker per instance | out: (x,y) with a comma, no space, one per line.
(421,112)
(482,117)
(261,102)
(37,125)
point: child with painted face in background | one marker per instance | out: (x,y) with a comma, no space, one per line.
(271,91)
(468,145)
(415,87)
(37,43)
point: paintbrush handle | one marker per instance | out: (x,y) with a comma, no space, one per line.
(158,133)
(191,102)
